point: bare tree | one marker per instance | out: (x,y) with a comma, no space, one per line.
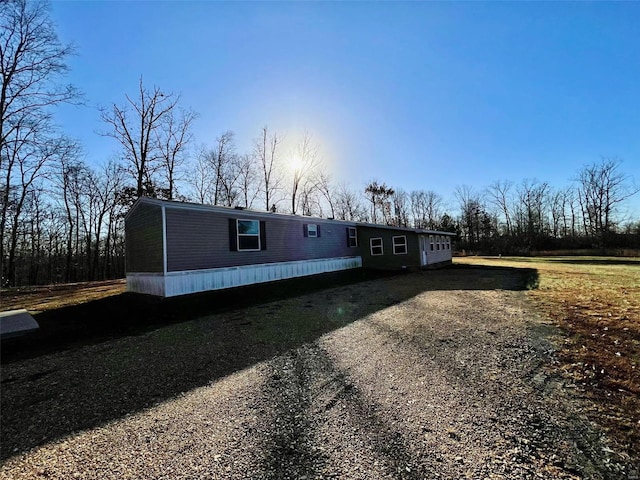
(33,249)
(348,205)
(532,208)
(201,177)
(305,161)
(89,202)
(418,208)
(31,167)
(136,126)
(498,193)
(571,204)
(602,187)
(309,198)
(426,207)
(267,152)
(108,183)
(471,212)
(32,59)
(173,139)
(223,177)
(323,182)
(113,179)
(556,209)
(400,204)
(247,180)
(20,162)
(224,163)
(70,180)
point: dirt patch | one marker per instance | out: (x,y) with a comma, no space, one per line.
(425,375)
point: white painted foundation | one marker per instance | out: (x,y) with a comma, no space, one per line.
(192,281)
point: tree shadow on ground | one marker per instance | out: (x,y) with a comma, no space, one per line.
(99,361)
(304,385)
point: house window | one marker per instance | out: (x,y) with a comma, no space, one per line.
(400,245)
(431,242)
(376,246)
(437,243)
(248,235)
(448,243)
(311,230)
(352,239)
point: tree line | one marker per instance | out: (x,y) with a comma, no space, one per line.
(62,218)
(535,216)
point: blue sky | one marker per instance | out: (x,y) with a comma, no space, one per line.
(417,95)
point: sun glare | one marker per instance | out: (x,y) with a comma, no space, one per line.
(295,163)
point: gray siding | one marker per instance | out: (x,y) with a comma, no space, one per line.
(143,239)
(388,261)
(198,239)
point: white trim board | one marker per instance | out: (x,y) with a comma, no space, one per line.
(193,281)
(164,240)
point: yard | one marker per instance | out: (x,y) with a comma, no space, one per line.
(595,301)
(456,373)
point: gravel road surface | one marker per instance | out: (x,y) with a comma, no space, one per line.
(425,382)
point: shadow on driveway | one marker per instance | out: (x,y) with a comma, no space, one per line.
(99,361)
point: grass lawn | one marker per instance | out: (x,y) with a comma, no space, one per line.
(595,301)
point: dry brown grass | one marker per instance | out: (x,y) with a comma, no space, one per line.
(596,303)
(49,297)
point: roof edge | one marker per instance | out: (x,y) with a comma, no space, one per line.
(222,209)
(138,202)
(404,229)
(230,210)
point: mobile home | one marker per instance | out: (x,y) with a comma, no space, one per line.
(176,248)
(388,247)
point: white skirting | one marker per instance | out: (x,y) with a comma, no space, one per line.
(192,281)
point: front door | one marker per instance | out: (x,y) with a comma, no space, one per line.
(423,250)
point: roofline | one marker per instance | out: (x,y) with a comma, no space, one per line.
(436,232)
(228,210)
(405,229)
(221,209)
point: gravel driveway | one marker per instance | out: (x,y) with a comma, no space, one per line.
(427,376)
